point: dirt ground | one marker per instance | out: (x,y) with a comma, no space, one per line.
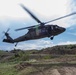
(59,71)
(62,65)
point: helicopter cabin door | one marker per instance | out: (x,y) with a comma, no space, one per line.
(41,32)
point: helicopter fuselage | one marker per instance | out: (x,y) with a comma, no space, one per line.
(41,32)
(37,33)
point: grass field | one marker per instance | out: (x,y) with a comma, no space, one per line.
(36,67)
(7,69)
(59,60)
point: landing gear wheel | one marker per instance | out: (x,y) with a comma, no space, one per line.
(52,38)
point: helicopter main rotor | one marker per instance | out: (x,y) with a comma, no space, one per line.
(37,20)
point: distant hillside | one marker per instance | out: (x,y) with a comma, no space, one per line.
(61,49)
(57,60)
(23,55)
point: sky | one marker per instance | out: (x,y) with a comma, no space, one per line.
(13,16)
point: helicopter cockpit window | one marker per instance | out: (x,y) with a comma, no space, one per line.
(52,27)
(56,27)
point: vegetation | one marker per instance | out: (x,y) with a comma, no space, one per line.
(24,62)
(7,69)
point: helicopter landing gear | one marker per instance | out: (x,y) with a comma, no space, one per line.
(52,37)
(16,44)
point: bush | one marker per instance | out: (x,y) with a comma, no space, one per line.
(25,57)
(47,57)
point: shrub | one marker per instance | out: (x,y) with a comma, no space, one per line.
(47,57)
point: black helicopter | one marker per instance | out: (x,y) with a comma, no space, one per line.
(41,30)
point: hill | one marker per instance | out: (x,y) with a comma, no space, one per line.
(23,55)
(57,60)
(62,49)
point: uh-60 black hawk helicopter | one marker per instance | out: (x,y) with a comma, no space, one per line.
(41,30)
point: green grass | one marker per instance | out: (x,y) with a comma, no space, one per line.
(7,69)
(27,71)
(10,69)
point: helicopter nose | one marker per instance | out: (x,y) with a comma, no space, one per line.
(63,29)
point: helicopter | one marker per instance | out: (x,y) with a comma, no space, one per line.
(41,30)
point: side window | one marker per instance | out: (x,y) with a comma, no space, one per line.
(52,27)
(43,31)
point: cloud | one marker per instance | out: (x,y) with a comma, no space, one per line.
(50,10)
(39,44)
(72,8)
(6,47)
(67,43)
(36,44)
(73,5)
(4,22)
(47,7)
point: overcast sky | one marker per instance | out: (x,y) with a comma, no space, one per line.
(13,16)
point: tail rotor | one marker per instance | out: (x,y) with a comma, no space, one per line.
(5,33)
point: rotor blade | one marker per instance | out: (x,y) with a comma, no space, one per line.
(61,17)
(31,14)
(25,28)
(7,30)
(22,28)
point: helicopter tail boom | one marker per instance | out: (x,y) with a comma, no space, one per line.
(8,41)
